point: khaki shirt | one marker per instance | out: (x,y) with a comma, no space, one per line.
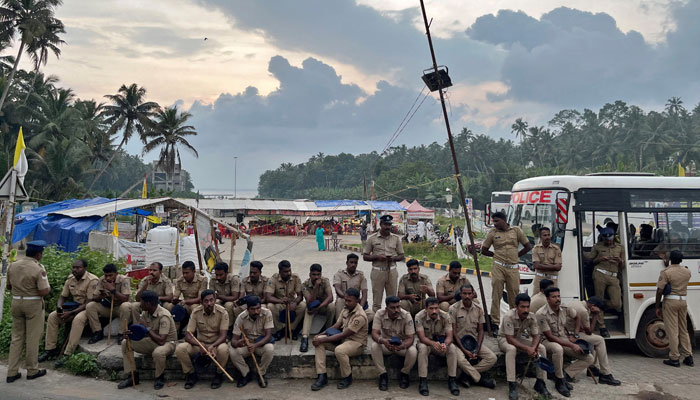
(346,281)
(601,250)
(547,255)
(279,288)
(505,244)
(122,284)
(253,328)
(678,276)
(402,326)
(407,286)
(190,290)
(513,326)
(82,290)
(231,285)
(355,321)
(549,320)
(446,287)
(321,292)
(208,326)
(537,301)
(466,320)
(383,246)
(440,326)
(257,289)
(26,277)
(164,286)
(162,322)
(581,309)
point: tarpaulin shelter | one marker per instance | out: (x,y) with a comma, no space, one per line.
(416,211)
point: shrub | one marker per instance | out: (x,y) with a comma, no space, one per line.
(83,364)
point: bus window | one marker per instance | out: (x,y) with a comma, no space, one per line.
(660,232)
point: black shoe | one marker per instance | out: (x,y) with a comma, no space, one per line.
(604,332)
(96,337)
(464,380)
(216,381)
(261,383)
(295,335)
(120,337)
(609,380)
(245,380)
(127,382)
(345,382)
(321,381)
(541,388)
(404,381)
(593,371)
(159,383)
(304,346)
(512,391)
(61,361)
(191,380)
(689,361)
(423,386)
(568,380)
(561,387)
(673,363)
(487,382)
(11,379)
(452,385)
(39,374)
(384,382)
(279,335)
(48,354)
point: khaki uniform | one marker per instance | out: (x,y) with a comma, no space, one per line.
(231,286)
(445,287)
(675,310)
(523,331)
(407,286)
(347,281)
(548,320)
(279,289)
(80,291)
(384,275)
(600,351)
(252,328)
(402,327)
(441,326)
(606,276)
(95,309)
(546,255)
(466,322)
(505,266)
(250,288)
(190,290)
(25,278)
(162,322)
(320,293)
(164,287)
(356,321)
(537,301)
(207,328)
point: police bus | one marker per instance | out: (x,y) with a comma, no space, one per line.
(649,212)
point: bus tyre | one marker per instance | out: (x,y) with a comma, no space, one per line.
(651,336)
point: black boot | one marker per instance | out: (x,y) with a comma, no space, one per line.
(512,391)
(423,386)
(216,382)
(345,382)
(609,380)
(561,387)
(39,374)
(568,380)
(120,337)
(304,346)
(464,380)
(191,380)
(452,385)
(404,381)
(541,388)
(159,382)
(279,335)
(127,382)
(96,337)
(604,332)
(48,354)
(61,361)
(13,378)
(673,363)
(689,361)
(321,381)
(245,379)
(593,370)
(262,382)
(487,382)
(383,382)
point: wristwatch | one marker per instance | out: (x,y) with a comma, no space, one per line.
(576,335)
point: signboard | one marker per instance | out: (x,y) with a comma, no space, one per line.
(535,197)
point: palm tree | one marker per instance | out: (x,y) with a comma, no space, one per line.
(674,106)
(169,132)
(29,19)
(129,113)
(39,48)
(94,130)
(58,172)
(519,128)
(55,116)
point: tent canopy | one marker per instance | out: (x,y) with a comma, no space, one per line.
(416,211)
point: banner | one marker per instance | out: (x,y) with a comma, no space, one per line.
(204,235)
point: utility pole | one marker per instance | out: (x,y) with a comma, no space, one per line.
(456,165)
(235,177)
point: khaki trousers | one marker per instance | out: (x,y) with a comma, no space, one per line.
(379,351)
(343,352)
(340,305)
(239,354)
(424,351)
(76,332)
(583,360)
(675,321)
(278,308)
(148,346)
(383,281)
(328,310)
(538,278)
(412,308)
(52,324)
(511,352)
(488,359)
(96,310)
(600,353)
(501,276)
(185,351)
(603,283)
(27,329)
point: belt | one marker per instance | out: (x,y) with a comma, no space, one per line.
(504,265)
(26,297)
(674,297)
(384,268)
(543,275)
(604,272)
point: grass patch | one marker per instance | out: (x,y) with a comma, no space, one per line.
(83,364)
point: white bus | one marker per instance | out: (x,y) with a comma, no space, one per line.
(667,209)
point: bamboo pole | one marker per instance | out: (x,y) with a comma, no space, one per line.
(255,361)
(212,358)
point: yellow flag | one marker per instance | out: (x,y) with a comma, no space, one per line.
(20,161)
(115,231)
(681,170)
(144,191)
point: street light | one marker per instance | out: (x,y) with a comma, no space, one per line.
(235,176)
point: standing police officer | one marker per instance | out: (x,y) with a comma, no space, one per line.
(608,257)
(546,259)
(675,309)
(383,249)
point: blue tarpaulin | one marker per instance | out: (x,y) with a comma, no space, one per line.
(385,205)
(339,203)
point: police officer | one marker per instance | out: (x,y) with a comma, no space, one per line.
(608,257)
(111,288)
(675,310)
(434,330)
(383,249)
(156,282)
(254,284)
(414,288)
(319,296)
(448,285)
(227,288)
(539,299)
(80,287)
(256,324)
(27,281)
(190,286)
(348,278)
(546,259)
(505,240)
(284,290)
(393,333)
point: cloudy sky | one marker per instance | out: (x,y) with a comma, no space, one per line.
(279,81)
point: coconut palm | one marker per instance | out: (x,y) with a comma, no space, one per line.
(56,117)
(39,48)
(95,130)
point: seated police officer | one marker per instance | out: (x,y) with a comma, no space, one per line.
(393,333)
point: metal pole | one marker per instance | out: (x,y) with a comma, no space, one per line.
(10,216)
(457,174)
(235,177)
